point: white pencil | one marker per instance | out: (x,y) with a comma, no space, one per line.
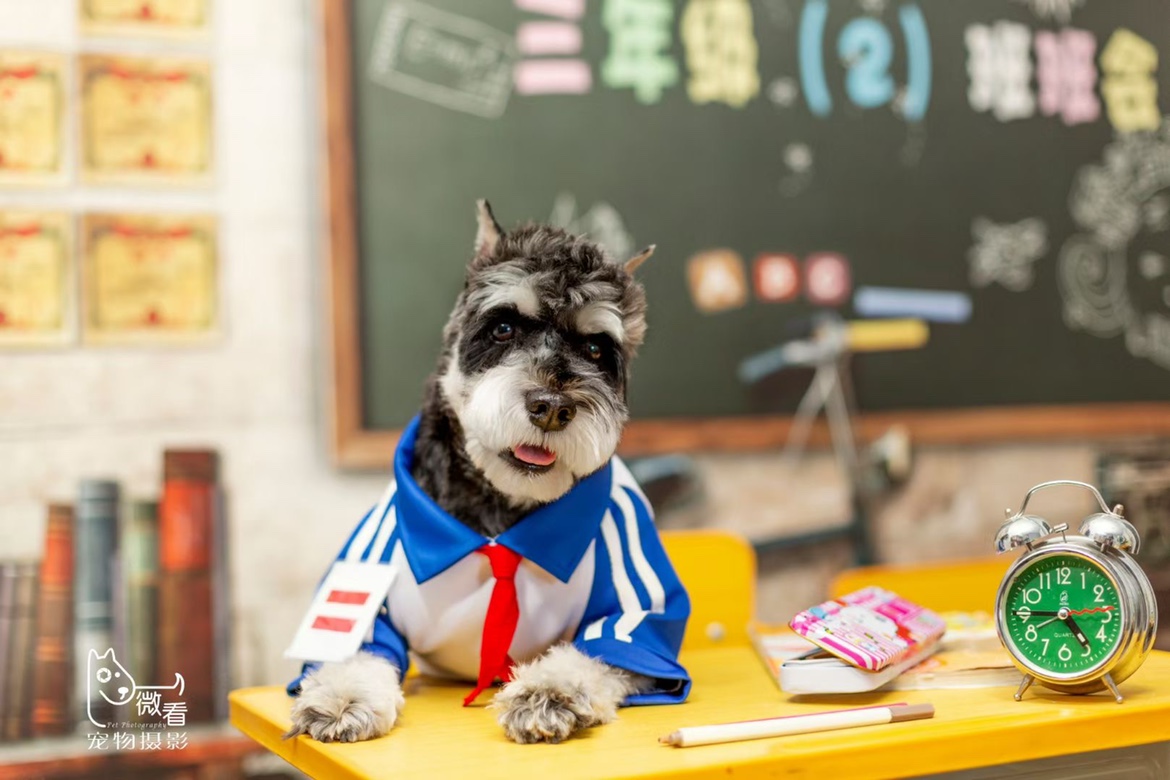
(796,724)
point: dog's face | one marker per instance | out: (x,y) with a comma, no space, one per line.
(536,357)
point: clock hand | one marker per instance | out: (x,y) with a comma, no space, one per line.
(1080,635)
(1035,612)
(1046,622)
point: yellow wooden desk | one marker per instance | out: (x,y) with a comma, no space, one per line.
(438,738)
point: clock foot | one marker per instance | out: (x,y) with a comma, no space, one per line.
(1113,687)
(1025,684)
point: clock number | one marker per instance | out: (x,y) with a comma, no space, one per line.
(1083,583)
(1088,651)
(1030,633)
(1108,618)
(1032,595)
(1045,650)
(1099,593)
(1045,580)
(1063,575)
(1064,653)
(1101,633)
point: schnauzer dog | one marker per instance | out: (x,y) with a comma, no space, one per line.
(524,549)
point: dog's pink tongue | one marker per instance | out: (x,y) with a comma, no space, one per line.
(537,456)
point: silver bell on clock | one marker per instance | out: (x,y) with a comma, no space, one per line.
(1075,612)
(1020,531)
(1110,529)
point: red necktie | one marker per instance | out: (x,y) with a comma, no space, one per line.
(499,626)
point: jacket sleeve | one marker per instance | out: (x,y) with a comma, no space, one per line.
(369,543)
(638,609)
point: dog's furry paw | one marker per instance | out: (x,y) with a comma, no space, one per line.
(356,699)
(560,693)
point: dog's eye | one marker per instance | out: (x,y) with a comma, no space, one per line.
(593,350)
(503,331)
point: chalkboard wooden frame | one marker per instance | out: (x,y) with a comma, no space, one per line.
(356,446)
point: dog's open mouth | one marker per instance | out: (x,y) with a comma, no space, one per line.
(530,458)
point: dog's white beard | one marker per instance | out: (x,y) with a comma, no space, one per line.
(491,409)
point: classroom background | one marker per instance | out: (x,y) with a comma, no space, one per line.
(763,199)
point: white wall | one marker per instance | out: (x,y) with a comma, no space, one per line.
(254,395)
(257,394)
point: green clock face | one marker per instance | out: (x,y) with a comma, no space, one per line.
(1063,615)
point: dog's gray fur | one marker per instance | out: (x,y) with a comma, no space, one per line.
(575,320)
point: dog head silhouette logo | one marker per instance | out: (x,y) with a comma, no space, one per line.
(109,679)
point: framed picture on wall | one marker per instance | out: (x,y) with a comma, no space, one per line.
(149,278)
(145,120)
(145,18)
(32,118)
(37,279)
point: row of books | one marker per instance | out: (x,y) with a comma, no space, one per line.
(132,590)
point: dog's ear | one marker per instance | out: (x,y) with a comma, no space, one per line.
(488,236)
(637,260)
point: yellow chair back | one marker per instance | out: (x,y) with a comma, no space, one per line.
(718,570)
(963,585)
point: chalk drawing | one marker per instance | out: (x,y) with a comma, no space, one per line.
(798,169)
(866,44)
(783,91)
(1092,283)
(827,279)
(553,77)
(442,58)
(717,280)
(1057,10)
(565,9)
(640,37)
(999,68)
(1115,203)
(1006,253)
(721,52)
(865,49)
(875,7)
(1157,213)
(931,305)
(1129,87)
(1066,73)
(602,223)
(1152,265)
(776,277)
(535,39)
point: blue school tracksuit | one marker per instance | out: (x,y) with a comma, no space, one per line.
(593,573)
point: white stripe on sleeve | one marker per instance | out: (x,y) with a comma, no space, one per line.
(593,630)
(361,539)
(383,537)
(642,566)
(632,612)
(622,476)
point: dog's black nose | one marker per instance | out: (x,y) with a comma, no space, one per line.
(550,411)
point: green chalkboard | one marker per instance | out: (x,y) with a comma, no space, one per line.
(1007,154)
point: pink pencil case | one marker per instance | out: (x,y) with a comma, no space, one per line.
(870,628)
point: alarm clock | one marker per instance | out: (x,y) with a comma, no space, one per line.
(1075,612)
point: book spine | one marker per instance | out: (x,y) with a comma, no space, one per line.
(94,554)
(7,596)
(140,568)
(18,714)
(53,675)
(186,545)
(221,614)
